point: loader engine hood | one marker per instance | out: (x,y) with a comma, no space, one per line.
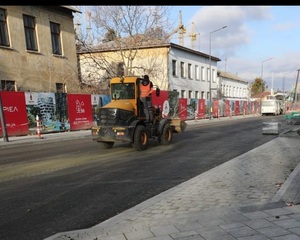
(121,104)
(116,113)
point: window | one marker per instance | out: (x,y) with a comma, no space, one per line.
(190,71)
(182,69)
(30,36)
(183,93)
(7,85)
(60,87)
(213,75)
(174,68)
(202,73)
(55,38)
(197,72)
(197,94)
(4,41)
(190,94)
(202,95)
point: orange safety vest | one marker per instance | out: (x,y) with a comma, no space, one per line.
(145,90)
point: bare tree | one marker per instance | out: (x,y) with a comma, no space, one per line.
(123,30)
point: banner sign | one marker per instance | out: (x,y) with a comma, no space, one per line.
(80,111)
(14,110)
(158,102)
(201,109)
(182,109)
(227,109)
(216,108)
(252,107)
(51,109)
(161,102)
(245,106)
(237,108)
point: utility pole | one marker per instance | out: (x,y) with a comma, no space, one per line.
(3,124)
(210,73)
(261,77)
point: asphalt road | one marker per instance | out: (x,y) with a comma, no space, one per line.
(61,186)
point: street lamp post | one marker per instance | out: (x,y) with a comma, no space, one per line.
(210,72)
(261,77)
(296,86)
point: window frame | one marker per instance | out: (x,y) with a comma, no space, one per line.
(190,76)
(55,32)
(174,68)
(182,69)
(197,75)
(4,37)
(8,85)
(30,32)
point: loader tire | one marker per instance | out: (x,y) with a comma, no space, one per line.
(167,135)
(140,140)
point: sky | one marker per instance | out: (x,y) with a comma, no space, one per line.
(258,41)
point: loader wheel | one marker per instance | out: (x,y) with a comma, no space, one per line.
(140,140)
(167,135)
(106,145)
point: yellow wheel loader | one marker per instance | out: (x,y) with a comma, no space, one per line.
(123,118)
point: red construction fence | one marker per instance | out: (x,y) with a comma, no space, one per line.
(68,112)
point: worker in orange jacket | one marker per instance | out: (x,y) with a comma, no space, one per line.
(145,96)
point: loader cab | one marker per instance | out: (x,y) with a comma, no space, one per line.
(123,91)
(126,90)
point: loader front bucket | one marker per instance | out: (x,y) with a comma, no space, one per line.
(179,125)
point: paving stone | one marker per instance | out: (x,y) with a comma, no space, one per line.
(273,231)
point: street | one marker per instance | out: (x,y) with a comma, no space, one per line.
(61,186)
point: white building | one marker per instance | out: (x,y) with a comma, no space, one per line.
(232,86)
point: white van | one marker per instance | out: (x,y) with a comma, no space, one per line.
(271,107)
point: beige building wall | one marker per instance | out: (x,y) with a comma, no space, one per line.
(39,70)
(151,61)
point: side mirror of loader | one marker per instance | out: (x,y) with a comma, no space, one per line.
(157,92)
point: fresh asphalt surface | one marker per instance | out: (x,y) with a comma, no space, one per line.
(230,201)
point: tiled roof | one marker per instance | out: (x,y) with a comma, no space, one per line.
(261,95)
(143,44)
(230,76)
(73,9)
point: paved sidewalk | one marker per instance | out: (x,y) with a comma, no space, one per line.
(47,137)
(253,196)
